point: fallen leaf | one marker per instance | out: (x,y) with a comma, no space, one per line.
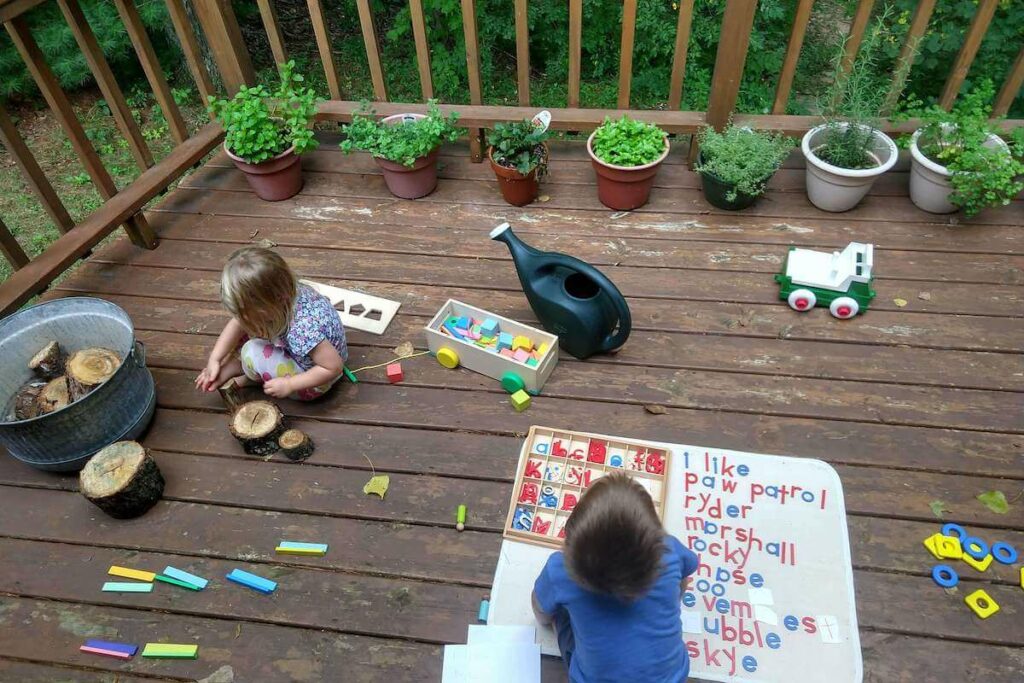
(938,508)
(995,501)
(265,243)
(544,198)
(925,296)
(404,349)
(655,409)
(253,235)
(900,302)
(378,484)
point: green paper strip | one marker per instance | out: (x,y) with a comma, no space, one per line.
(170,651)
(176,582)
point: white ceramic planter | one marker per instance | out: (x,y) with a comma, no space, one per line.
(833,188)
(929,182)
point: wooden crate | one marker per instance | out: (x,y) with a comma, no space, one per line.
(487,362)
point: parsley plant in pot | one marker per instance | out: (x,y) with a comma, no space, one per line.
(736,164)
(405,146)
(519,158)
(267,131)
(626,155)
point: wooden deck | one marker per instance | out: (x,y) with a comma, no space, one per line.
(912,402)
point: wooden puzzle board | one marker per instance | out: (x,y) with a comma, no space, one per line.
(556,466)
(773,597)
(359,310)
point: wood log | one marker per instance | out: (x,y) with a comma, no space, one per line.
(123,480)
(296,445)
(53,396)
(49,362)
(257,425)
(230,394)
(26,401)
(89,368)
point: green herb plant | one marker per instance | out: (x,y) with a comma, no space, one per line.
(404,142)
(519,145)
(627,142)
(741,157)
(981,176)
(261,124)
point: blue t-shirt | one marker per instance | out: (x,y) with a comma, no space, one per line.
(618,641)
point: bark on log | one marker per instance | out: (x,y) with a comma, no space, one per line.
(257,425)
(230,394)
(123,480)
(53,396)
(89,368)
(26,401)
(49,362)
(296,445)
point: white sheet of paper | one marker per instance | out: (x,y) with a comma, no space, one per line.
(519,564)
(481,634)
(504,663)
(828,626)
(766,615)
(761,596)
(691,622)
(456,664)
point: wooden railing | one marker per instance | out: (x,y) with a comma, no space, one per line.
(222,35)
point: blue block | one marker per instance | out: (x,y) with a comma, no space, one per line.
(489,328)
(464,323)
(126,648)
(252,581)
(454,331)
(504,341)
(197,581)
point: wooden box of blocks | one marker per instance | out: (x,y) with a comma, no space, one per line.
(489,345)
(555,468)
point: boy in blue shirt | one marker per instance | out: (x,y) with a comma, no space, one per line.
(613,593)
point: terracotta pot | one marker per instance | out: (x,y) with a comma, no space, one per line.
(409,182)
(516,188)
(274,179)
(833,188)
(624,188)
(929,181)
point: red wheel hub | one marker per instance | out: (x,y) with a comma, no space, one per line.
(844,311)
(801,303)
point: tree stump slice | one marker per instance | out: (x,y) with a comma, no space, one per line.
(296,445)
(49,362)
(123,480)
(89,368)
(257,425)
(53,396)
(26,401)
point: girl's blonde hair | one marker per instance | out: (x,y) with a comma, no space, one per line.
(259,289)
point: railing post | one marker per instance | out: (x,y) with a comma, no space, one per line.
(225,39)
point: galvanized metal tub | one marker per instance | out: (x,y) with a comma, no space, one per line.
(120,408)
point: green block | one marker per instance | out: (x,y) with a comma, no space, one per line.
(170,651)
(520,400)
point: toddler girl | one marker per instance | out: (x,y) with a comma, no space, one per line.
(291,338)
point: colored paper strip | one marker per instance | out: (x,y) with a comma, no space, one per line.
(107,645)
(185,576)
(106,653)
(127,573)
(170,650)
(252,581)
(175,582)
(117,587)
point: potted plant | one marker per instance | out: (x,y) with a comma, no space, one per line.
(736,164)
(405,146)
(626,155)
(846,154)
(267,131)
(957,159)
(519,157)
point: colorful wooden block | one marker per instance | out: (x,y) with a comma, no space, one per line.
(520,355)
(982,604)
(296,548)
(464,323)
(248,580)
(126,648)
(980,565)
(116,654)
(523,343)
(118,587)
(454,331)
(504,341)
(127,573)
(489,327)
(542,349)
(532,362)
(177,582)
(948,547)
(930,544)
(1004,553)
(507,353)
(394,372)
(170,651)
(180,575)
(520,400)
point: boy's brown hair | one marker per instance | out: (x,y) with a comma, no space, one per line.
(614,541)
(259,289)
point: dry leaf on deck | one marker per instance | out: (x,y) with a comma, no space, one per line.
(900,302)
(378,484)
(404,349)
(655,409)
(938,508)
(925,296)
(544,198)
(265,243)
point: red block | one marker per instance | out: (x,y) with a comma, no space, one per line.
(395,373)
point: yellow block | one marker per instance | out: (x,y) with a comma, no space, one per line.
(982,604)
(1022,577)
(300,551)
(980,565)
(948,548)
(521,342)
(127,573)
(930,544)
(542,349)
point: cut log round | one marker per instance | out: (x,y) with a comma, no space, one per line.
(89,368)
(26,401)
(53,396)
(49,362)
(256,425)
(296,445)
(123,480)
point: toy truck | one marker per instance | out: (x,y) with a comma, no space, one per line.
(840,280)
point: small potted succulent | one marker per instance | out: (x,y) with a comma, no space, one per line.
(519,157)
(845,155)
(267,131)
(736,164)
(957,159)
(405,146)
(626,155)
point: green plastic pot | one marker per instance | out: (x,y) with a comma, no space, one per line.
(716,191)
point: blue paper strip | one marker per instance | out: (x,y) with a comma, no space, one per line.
(178,574)
(126,648)
(252,581)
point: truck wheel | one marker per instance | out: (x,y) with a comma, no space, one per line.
(448,358)
(801,300)
(844,307)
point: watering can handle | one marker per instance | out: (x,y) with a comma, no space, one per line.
(612,341)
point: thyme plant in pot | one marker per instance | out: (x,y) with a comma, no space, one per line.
(267,131)
(736,164)
(405,146)
(626,155)
(846,154)
(957,159)
(519,158)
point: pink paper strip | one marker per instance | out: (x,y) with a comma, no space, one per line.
(108,653)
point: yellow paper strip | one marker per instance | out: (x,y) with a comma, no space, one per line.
(136,574)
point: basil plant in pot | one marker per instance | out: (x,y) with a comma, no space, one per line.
(405,146)
(267,131)
(519,158)
(626,155)
(736,164)
(957,159)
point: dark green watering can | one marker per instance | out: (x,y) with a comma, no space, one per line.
(570,298)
